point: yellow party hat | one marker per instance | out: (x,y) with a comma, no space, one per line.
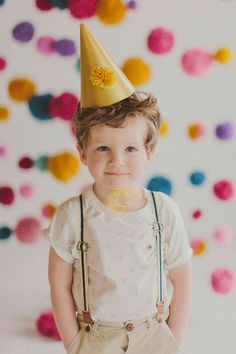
(102,81)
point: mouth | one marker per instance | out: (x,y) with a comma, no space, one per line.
(115,174)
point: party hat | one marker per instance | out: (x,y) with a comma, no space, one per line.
(102,81)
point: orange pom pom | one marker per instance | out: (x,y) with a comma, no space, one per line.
(21,89)
(111,11)
(137,71)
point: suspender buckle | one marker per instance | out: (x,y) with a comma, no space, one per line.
(82,246)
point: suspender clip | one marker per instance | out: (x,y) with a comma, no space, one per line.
(157,226)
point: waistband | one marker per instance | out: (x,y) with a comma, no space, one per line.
(120,324)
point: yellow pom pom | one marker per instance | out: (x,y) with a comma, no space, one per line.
(223,55)
(111,11)
(137,71)
(21,89)
(64,166)
(164,129)
(4,113)
(102,77)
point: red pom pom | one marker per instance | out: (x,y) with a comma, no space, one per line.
(3,63)
(46,325)
(44,5)
(82,8)
(6,195)
(26,163)
(64,106)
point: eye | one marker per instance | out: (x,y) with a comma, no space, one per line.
(103,148)
(131,148)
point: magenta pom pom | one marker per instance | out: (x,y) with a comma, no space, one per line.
(160,41)
(64,106)
(46,45)
(196,62)
(46,325)
(3,63)
(82,8)
(7,195)
(197,214)
(222,281)
(44,5)
(28,230)
(224,190)
(26,163)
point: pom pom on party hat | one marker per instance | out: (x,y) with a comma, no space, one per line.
(102,81)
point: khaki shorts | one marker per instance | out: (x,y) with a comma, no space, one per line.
(142,336)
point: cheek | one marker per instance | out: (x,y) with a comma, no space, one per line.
(95,165)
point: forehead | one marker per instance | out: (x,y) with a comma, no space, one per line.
(132,129)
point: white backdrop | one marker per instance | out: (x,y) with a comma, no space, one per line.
(209,24)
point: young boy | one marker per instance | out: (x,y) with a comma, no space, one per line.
(119,262)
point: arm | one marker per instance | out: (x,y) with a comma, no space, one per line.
(60,280)
(181,278)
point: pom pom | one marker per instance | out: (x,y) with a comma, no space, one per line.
(42,163)
(4,113)
(39,106)
(102,77)
(137,71)
(5,232)
(223,190)
(46,325)
(222,281)
(160,184)
(225,131)
(197,214)
(60,4)
(7,195)
(198,246)
(196,62)
(3,151)
(111,12)
(197,178)
(44,5)
(46,45)
(26,163)
(196,131)
(64,106)
(65,47)
(63,166)
(223,55)
(2,2)
(164,129)
(21,89)
(26,190)
(132,5)
(3,64)
(28,230)
(48,210)
(82,8)
(223,234)
(23,32)
(160,41)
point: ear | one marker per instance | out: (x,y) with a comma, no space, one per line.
(81,154)
(150,153)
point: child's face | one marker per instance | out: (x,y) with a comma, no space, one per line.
(116,157)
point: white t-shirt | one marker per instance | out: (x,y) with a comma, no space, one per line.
(122,261)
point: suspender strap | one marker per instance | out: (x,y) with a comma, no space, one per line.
(82,246)
(158,227)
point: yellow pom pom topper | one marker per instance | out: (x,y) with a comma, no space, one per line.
(102,81)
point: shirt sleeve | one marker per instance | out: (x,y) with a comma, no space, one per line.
(177,250)
(61,235)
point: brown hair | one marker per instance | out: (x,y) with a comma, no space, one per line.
(116,114)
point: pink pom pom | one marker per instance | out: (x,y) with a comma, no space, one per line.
(196,62)
(224,190)
(46,325)
(28,230)
(46,45)
(223,234)
(26,190)
(160,41)
(222,281)
(3,151)
(64,106)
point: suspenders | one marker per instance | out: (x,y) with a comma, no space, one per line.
(82,246)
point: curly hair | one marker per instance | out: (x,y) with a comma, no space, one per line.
(116,114)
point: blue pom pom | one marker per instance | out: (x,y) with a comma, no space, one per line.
(160,184)
(39,106)
(60,4)
(2,2)
(5,232)
(197,178)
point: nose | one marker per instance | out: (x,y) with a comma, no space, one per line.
(116,159)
